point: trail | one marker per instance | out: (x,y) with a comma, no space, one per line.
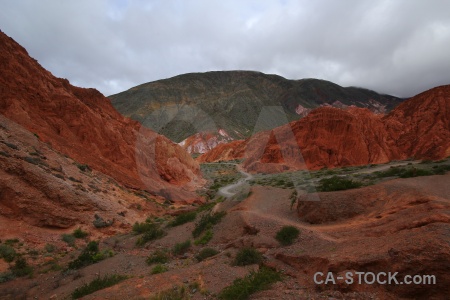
(232,189)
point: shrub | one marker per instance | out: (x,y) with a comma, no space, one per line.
(206,222)
(97,284)
(242,288)
(183,218)
(205,238)
(158,256)
(89,256)
(336,183)
(247,256)
(205,253)
(79,233)
(150,231)
(7,253)
(181,248)
(21,268)
(50,248)
(69,239)
(287,235)
(159,269)
(6,276)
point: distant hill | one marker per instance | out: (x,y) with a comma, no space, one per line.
(232,101)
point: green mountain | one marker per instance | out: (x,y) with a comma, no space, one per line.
(183,105)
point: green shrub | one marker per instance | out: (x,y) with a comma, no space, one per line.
(287,235)
(242,288)
(205,253)
(7,252)
(413,172)
(159,256)
(97,284)
(205,238)
(441,170)
(183,218)
(150,231)
(181,248)
(50,248)
(21,268)
(90,255)
(336,183)
(206,222)
(247,256)
(79,233)
(6,276)
(159,269)
(69,239)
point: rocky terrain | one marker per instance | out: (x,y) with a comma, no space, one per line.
(331,137)
(232,101)
(82,124)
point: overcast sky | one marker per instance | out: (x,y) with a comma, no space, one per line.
(394,47)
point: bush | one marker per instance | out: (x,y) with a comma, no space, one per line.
(21,268)
(89,256)
(181,248)
(287,235)
(97,284)
(50,248)
(158,256)
(151,231)
(79,233)
(242,288)
(7,253)
(247,256)
(206,222)
(183,218)
(205,238)
(69,239)
(159,269)
(336,183)
(205,253)
(176,293)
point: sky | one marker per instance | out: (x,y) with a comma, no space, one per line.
(398,47)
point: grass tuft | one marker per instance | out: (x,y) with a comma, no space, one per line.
(97,284)
(247,256)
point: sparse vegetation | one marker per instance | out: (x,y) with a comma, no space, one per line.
(98,284)
(50,248)
(205,253)
(247,256)
(204,239)
(293,198)
(287,235)
(206,222)
(337,183)
(242,288)
(21,268)
(176,293)
(7,252)
(90,255)
(79,233)
(181,248)
(158,257)
(159,268)
(149,230)
(183,218)
(69,239)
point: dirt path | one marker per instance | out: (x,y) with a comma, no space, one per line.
(232,189)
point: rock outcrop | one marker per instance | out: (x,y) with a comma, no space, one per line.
(329,137)
(82,124)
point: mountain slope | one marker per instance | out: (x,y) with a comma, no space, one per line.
(82,124)
(232,100)
(332,137)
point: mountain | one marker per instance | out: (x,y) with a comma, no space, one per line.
(82,124)
(185,105)
(330,137)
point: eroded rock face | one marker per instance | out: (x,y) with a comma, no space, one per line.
(82,124)
(331,137)
(202,142)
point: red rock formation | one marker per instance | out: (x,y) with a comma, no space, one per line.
(82,124)
(331,137)
(228,151)
(202,142)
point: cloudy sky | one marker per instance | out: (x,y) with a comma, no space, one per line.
(395,47)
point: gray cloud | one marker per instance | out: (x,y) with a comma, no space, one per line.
(397,47)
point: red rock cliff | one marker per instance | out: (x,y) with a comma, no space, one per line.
(82,124)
